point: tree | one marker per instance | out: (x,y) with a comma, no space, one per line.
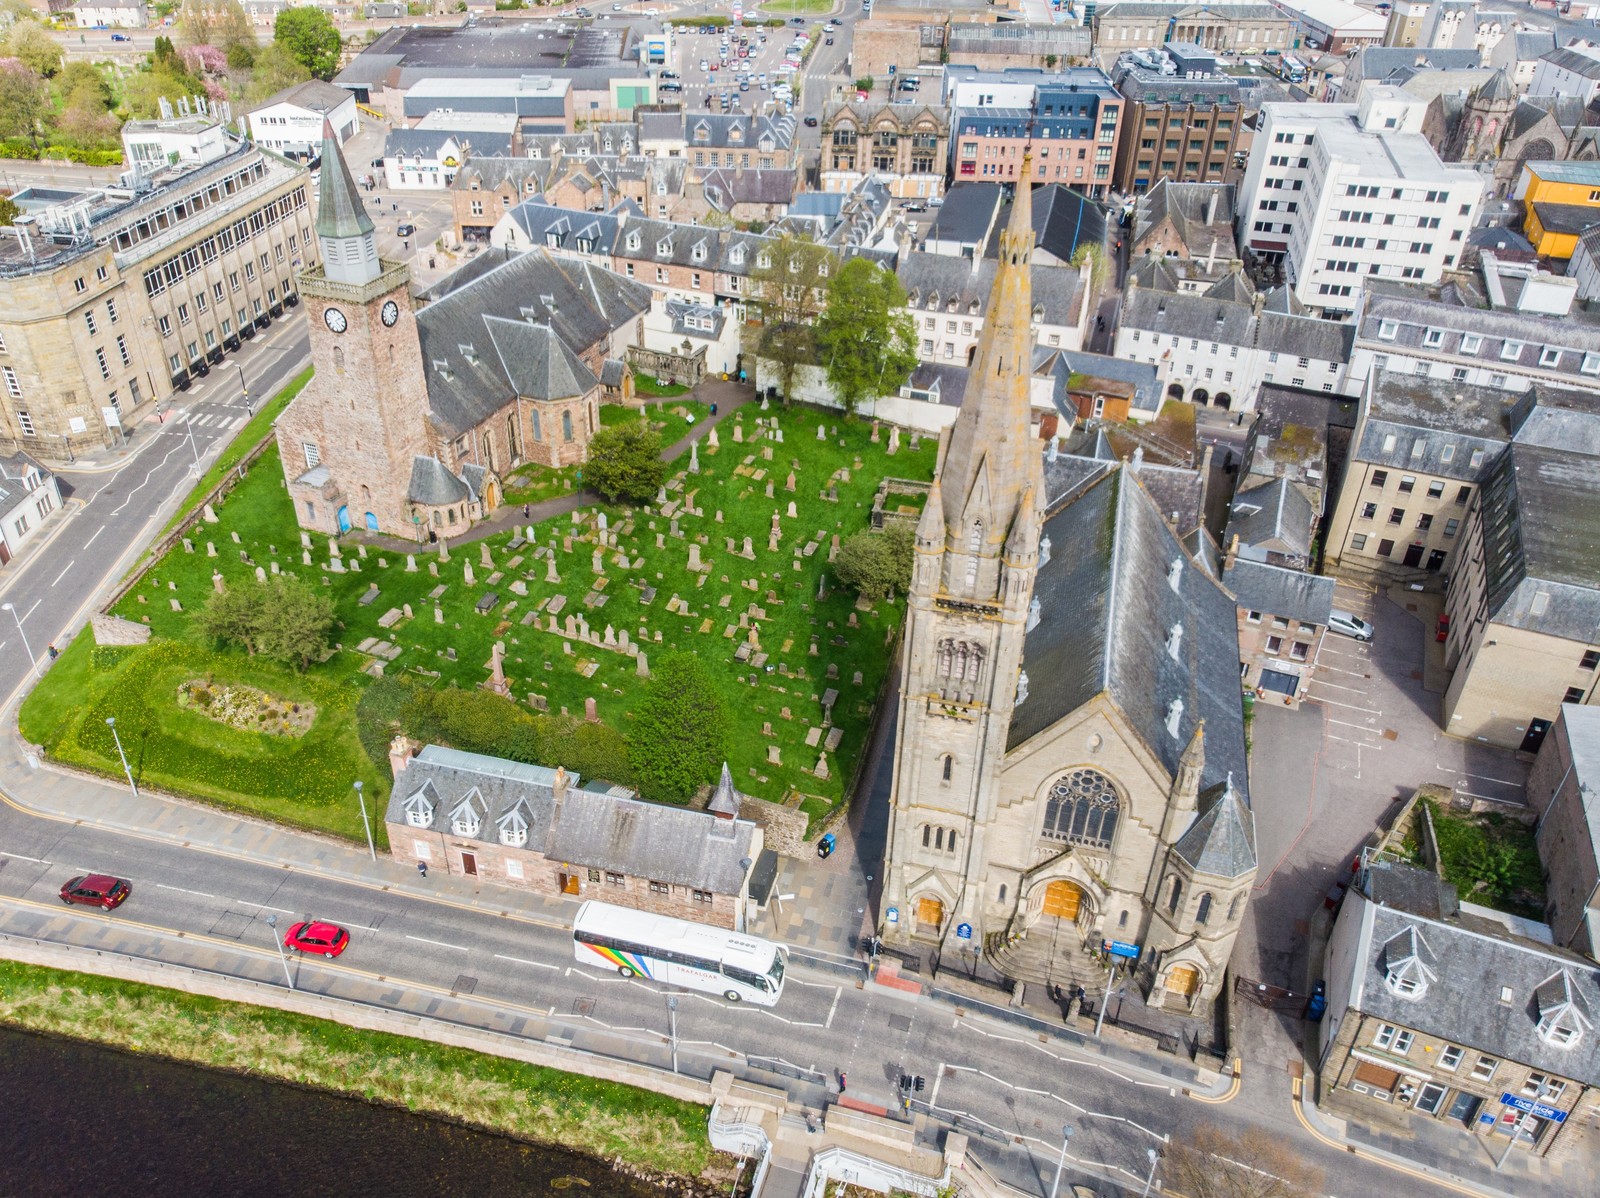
(1211,1163)
(220,23)
(8,211)
(787,290)
(865,337)
(82,82)
(876,564)
(273,70)
(679,736)
(32,43)
(295,621)
(24,102)
(309,36)
(625,463)
(231,617)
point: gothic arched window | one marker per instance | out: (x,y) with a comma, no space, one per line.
(1176,897)
(1082,808)
(948,767)
(1203,911)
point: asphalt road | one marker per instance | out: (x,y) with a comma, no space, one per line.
(112,512)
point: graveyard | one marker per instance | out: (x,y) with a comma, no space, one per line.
(730,563)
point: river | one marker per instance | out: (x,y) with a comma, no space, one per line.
(79,1118)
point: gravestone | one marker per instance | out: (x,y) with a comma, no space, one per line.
(305,540)
(305,557)
(333,547)
(483,552)
(641,666)
(711,438)
(468,576)
(894,439)
(208,514)
(217,583)
(211,551)
(822,767)
(694,457)
(774,757)
(793,511)
(788,483)
(694,557)
(550,574)
(261,575)
(822,433)
(188,545)
(738,433)
(411,563)
(589,712)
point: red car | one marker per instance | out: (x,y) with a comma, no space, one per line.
(96,890)
(314,936)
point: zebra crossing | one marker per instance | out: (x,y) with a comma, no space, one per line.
(219,421)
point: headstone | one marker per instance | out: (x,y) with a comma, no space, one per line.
(470,578)
(769,489)
(749,549)
(483,556)
(405,610)
(550,574)
(433,569)
(788,483)
(275,568)
(211,549)
(641,666)
(444,549)
(361,551)
(694,557)
(176,606)
(773,756)
(894,439)
(694,457)
(217,583)
(601,522)
(719,515)
(411,563)
(305,557)
(261,575)
(777,435)
(822,432)
(208,514)
(518,587)
(855,679)
(766,404)
(589,712)
(822,766)
(738,433)
(874,432)
(333,547)
(793,511)
(188,545)
(497,678)
(305,540)
(711,438)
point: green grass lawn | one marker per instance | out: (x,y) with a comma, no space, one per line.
(1491,859)
(307,781)
(798,8)
(644,384)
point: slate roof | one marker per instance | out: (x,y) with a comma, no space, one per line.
(1533,43)
(725,188)
(491,172)
(537,362)
(1142,378)
(1566,218)
(659,126)
(1276,516)
(1221,842)
(1437,412)
(598,829)
(1063,220)
(467,380)
(968,213)
(433,484)
(313,94)
(737,130)
(539,221)
(14,468)
(1557,418)
(1117,582)
(709,320)
(340,212)
(1474,959)
(1569,58)
(1280,591)
(428,143)
(941,278)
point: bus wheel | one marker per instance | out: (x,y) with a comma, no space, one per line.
(626,971)
(731,995)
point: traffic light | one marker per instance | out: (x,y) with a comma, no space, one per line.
(918,1083)
(905,1083)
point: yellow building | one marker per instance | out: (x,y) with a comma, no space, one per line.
(1562,199)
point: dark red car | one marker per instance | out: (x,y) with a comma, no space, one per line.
(97,890)
(314,936)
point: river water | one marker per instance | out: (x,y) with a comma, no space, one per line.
(78,1118)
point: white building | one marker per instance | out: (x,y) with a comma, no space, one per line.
(190,138)
(116,14)
(1334,25)
(428,159)
(28,493)
(1569,71)
(1342,193)
(290,123)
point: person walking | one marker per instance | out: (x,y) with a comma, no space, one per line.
(525,511)
(422,868)
(843,1079)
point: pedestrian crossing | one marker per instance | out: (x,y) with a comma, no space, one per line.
(220,421)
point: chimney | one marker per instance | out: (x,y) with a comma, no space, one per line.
(558,784)
(1211,208)
(1211,254)
(401,750)
(1232,554)
(1257,302)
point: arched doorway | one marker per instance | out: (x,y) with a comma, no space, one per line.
(1183,981)
(372,522)
(1200,396)
(344,519)
(1174,390)
(1223,400)
(929,914)
(1063,899)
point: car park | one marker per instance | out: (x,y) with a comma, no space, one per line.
(315,936)
(96,890)
(1347,624)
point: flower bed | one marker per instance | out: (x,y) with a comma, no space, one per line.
(245,708)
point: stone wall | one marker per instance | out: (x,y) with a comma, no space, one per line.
(783,827)
(114,630)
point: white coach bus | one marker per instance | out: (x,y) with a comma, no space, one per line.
(739,967)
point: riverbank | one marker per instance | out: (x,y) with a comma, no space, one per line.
(642,1132)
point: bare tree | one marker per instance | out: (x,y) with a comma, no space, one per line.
(1212,1163)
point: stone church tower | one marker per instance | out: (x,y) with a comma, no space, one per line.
(350,441)
(977,548)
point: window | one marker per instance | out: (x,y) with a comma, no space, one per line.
(88,319)
(1359,541)
(1435,489)
(1379,478)
(1408,482)
(1082,808)
(1465,493)
(13,387)
(615,879)
(1393,1039)
(122,350)
(1299,650)
(1471,343)
(1451,526)
(1253,617)
(1591,658)
(1385,547)
(1369,511)
(1430,1098)
(1484,1069)
(1542,1085)
(25,422)
(1388,330)
(1574,695)
(1549,356)
(1450,1058)
(1424,522)
(1397,515)
(660,887)
(100,357)
(1510,351)
(703,896)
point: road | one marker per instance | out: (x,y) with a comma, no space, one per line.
(112,513)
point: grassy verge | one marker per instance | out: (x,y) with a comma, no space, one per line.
(251,435)
(542,1105)
(645,384)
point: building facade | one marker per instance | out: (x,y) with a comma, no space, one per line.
(28,494)
(290,122)
(1561,786)
(905,145)
(1069,120)
(1225,28)
(1184,129)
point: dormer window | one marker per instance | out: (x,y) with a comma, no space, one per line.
(664,247)
(736,255)
(514,830)
(1388,330)
(419,811)
(1404,971)
(699,252)
(764,260)
(467,818)
(633,242)
(1563,1013)
(1511,351)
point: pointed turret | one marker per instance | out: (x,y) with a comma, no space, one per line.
(725,800)
(991,457)
(344,230)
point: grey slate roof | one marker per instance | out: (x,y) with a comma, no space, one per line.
(427,143)
(940,279)
(467,381)
(1473,959)
(737,130)
(1533,43)
(491,172)
(968,213)
(1279,591)
(14,470)
(1569,58)
(1117,582)
(1444,415)
(537,362)
(1557,418)
(1063,221)
(1142,377)
(1221,842)
(313,94)
(1276,515)
(725,188)
(433,484)
(540,222)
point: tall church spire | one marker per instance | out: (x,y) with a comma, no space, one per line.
(991,457)
(344,230)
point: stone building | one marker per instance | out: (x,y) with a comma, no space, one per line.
(535,828)
(1187,127)
(905,145)
(1225,28)
(1562,787)
(1070,766)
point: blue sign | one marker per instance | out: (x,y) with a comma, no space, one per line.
(1118,948)
(892,915)
(1529,1106)
(963,931)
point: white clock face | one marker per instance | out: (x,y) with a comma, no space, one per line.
(390,314)
(335,320)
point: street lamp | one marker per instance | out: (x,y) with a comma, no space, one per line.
(111,722)
(272,922)
(1066,1136)
(1155,1158)
(672,1027)
(245,387)
(368,823)
(32,660)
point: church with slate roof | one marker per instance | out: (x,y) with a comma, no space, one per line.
(414,415)
(1070,771)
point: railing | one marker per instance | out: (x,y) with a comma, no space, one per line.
(851,1168)
(742,1139)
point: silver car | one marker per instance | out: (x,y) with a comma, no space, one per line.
(1347,624)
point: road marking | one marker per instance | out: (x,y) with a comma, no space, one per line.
(63,573)
(1347,706)
(440,943)
(181,890)
(20,857)
(92,539)
(264,907)
(520,961)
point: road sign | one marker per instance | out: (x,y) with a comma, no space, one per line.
(1118,948)
(963,931)
(1529,1106)
(892,915)
(109,415)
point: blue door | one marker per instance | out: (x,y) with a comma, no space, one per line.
(372,522)
(344,519)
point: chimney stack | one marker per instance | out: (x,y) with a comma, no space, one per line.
(401,750)
(1211,208)
(558,784)
(1232,554)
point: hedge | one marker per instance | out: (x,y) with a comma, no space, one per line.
(32,153)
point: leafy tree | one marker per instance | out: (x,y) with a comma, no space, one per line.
(82,82)
(1211,1163)
(876,564)
(85,122)
(241,57)
(273,70)
(12,11)
(310,37)
(789,347)
(625,463)
(865,336)
(679,737)
(231,617)
(32,43)
(24,102)
(295,621)
(8,211)
(220,23)
(789,282)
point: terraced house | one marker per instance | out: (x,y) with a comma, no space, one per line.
(1069,121)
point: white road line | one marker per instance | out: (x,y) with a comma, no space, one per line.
(92,539)
(20,857)
(63,573)
(520,961)
(440,943)
(1480,777)
(1357,727)
(36,603)
(264,907)
(1348,706)
(181,890)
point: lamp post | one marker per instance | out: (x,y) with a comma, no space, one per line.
(33,661)
(1516,1130)
(111,722)
(1066,1136)
(1100,1017)
(1155,1158)
(365,821)
(245,387)
(272,922)
(672,1027)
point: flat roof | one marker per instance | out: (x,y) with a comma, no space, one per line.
(1586,173)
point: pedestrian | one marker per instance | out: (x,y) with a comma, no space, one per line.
(51,650)
(713,410)
(524,511)
(842,1080)
(422,868)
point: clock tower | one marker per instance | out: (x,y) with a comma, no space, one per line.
(350,439)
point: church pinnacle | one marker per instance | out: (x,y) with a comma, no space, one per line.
(344,230)
(991,458)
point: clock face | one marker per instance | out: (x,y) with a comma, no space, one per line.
(390,314)
(335,320)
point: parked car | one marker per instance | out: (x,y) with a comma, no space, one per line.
(1346,624)
(314,936)
(96,890)
(120,37)
(827,41)
(917,206)
(405,230)
(811,122)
